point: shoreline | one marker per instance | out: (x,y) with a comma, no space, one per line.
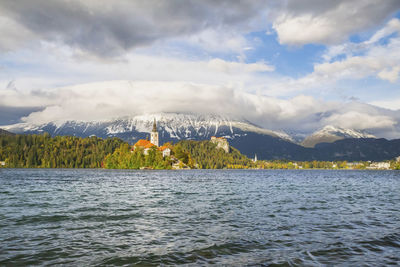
(224,169)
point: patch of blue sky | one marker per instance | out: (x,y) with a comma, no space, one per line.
(289,61)
(385,40)
(359,38)
(175,49)
(367,89)
(11,64)
(27,68)
(339,57)
(397,15)
(181,49)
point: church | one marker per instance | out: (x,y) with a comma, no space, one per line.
(146,145)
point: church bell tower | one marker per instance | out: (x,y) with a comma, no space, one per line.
(154,134)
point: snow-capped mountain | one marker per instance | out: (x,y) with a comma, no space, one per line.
(248,138)
(171,127)
(330,134)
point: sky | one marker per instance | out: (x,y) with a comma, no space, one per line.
(292,65)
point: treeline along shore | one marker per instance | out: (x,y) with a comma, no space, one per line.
(44,151)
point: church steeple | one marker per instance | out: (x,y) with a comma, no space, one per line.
(154,134)
(154,126)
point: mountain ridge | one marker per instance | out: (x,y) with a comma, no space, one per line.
(248,138)
(330,134)
(4,132)
(171,126)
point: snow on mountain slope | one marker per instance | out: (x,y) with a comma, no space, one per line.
(330,134)
(171,127)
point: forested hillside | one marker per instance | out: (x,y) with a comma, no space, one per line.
(207,156)
(123,158)
(30,151)
(44,151)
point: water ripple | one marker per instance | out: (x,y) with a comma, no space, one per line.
(226,217)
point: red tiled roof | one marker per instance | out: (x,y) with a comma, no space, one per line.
(149,145)
(143,143)
(162,148)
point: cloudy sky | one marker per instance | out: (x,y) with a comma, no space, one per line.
(294,65)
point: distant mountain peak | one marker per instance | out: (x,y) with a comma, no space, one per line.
(348,133)
(331,133)
(4,132)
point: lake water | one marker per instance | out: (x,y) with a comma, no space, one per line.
(199,217)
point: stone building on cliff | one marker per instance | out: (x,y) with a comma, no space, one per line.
(221,142)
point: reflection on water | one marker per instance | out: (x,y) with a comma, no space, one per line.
(103,217)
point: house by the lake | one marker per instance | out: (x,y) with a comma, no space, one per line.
(379,166)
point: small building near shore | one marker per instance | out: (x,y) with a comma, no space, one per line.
(166,150)
(379,166)
(2,163)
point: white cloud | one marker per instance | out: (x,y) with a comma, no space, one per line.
(236,67)
(113,99)
(13,35)
(217,40)
(390,74)
(110,29)
(393,26)
(328,22)
(393,104)
(360,121)
(85,41)
(54,67)
(354,67)
(380,60)
(304,29)
(349,49)
(351,61)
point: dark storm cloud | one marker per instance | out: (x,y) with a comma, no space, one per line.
(109,28)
